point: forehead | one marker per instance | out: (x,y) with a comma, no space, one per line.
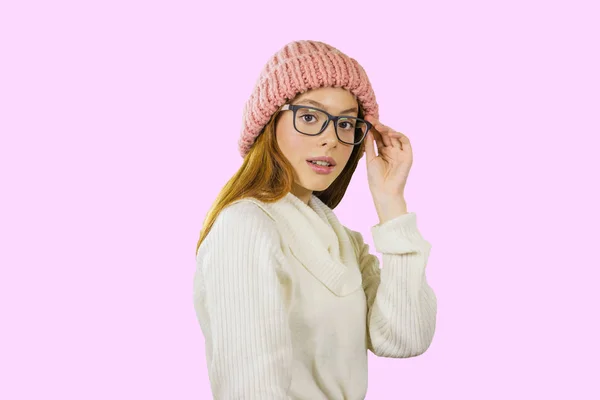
(330,99)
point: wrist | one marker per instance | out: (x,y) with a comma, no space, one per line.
(390,208)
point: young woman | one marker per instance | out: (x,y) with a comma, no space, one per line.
(289,299)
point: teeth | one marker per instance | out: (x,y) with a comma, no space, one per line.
(325,163)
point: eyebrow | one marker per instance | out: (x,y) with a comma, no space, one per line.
(316,103)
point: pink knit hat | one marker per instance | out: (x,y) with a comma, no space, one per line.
(296,68)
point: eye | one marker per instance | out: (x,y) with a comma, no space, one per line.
(349,125)
(307,118)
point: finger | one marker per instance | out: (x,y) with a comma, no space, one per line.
(394,139)
(381,140)
(378,140)
(405,142)
(385,137)
(382,130)
(389,133)
(370,146)
(397,137)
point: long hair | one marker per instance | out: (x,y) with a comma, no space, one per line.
(267,175)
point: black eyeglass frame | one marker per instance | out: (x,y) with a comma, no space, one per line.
(296,107)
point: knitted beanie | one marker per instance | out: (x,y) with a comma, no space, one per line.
(296,68)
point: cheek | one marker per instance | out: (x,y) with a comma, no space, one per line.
(292,146)
(296,148)
(347,153)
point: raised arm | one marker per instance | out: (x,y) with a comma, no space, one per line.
(240,303)
(402,307)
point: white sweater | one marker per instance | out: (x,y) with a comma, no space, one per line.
(289,300)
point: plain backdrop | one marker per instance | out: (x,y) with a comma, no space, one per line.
(119,123)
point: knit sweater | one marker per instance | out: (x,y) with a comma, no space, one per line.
(289,300)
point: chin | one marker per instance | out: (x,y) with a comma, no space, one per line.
(318,186)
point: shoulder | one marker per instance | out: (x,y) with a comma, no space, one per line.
(245,220)
(242,233)
(245,210)
(242,209)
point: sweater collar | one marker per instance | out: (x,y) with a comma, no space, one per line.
(318,240)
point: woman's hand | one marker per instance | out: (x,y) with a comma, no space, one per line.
(387,171)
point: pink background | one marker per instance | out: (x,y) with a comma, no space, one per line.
(119,124)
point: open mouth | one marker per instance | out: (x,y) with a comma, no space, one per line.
(320,167)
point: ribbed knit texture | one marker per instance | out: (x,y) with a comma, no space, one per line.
(289,300)
(297,67)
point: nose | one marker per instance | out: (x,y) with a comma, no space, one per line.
(328,136)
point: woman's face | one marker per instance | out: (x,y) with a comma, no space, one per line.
(298,148)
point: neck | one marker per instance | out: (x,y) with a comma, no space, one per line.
(301,193)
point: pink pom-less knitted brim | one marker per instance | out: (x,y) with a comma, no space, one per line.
(297,67)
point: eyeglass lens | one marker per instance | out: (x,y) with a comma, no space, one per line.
(310,122)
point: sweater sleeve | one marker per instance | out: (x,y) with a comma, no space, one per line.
(402,307)
(238,285)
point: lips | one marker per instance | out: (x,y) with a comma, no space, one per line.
(320,169)
(329,160)
(320,163)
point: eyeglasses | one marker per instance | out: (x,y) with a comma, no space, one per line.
(313,121)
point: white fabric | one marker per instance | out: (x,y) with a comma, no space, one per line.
(289,300)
